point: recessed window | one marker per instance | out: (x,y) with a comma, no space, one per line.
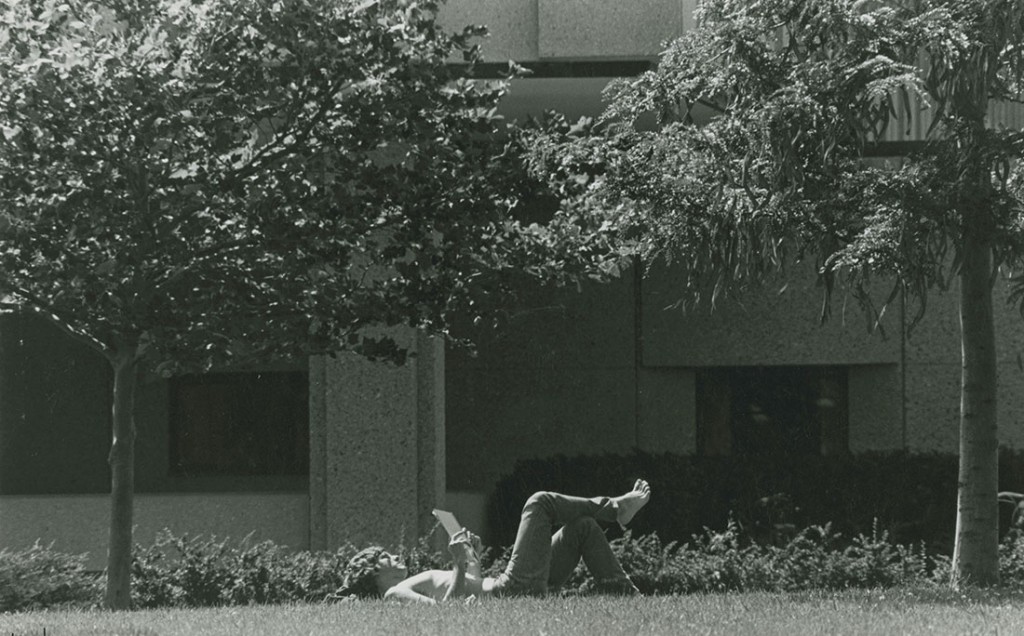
(774,411)
(240,424)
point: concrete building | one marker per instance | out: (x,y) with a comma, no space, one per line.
(329,450)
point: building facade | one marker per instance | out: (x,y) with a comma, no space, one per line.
(329,450)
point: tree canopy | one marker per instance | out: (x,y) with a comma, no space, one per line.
(208,179)
(762,118)
(747,148)
(187,183)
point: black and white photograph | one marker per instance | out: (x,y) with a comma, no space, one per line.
(525,317)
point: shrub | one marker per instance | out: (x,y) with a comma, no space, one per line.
(198,572)
(724,561)
(40,577)
(423,556)
(873,561)
(207,571)
(195,572)
(712,562)
(1011,560)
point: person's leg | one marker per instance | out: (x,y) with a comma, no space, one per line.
(530,564)
(584,538)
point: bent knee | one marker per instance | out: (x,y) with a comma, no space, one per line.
(539,498)
(583,525)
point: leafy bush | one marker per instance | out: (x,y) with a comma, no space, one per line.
(726,561)
(1011,560)
(39,577)
(197,571)
(206,571)
(714,562)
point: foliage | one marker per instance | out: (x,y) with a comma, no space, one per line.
(186,184)
(193,572)
(727,561)
(197,572)
(204,571)
(763,115)
(1011,560)
(183,571)
(41,577)
(744,151)
(309,168)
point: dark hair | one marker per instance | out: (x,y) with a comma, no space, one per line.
(360,574)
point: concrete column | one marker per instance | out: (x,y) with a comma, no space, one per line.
(317,453)
(377,446)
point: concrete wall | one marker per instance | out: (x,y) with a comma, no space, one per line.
(561,378)
(609,28)
(615,368)
(777,324)
(531,30)
(933,373)
(80,523)
(875,402)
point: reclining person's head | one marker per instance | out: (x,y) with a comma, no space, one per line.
(371,572)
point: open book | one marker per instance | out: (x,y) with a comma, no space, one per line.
(448,520)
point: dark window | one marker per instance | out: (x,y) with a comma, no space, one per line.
(240,424)
(772,411)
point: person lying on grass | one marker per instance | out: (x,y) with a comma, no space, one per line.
(540,561)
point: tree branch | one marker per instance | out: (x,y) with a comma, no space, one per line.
(40,308)
(267,155)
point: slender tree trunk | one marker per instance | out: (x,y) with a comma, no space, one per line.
(122,482)
(975,556)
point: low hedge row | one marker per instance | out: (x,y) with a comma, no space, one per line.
(40,577)
(206,571)
(197,572)
(183,571)
(913,496)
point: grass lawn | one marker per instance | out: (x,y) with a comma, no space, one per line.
(854,612)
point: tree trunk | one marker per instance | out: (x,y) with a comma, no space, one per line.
(975,555)
(122,483)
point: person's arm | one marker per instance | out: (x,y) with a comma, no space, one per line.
(472,583)
(439,585)
(473,566)
(420,588)
(464,560)
(457,588)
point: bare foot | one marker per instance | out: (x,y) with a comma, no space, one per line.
(629,504)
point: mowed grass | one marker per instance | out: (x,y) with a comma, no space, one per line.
(854,612)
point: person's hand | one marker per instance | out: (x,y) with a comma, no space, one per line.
(478,545)
(463,548)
